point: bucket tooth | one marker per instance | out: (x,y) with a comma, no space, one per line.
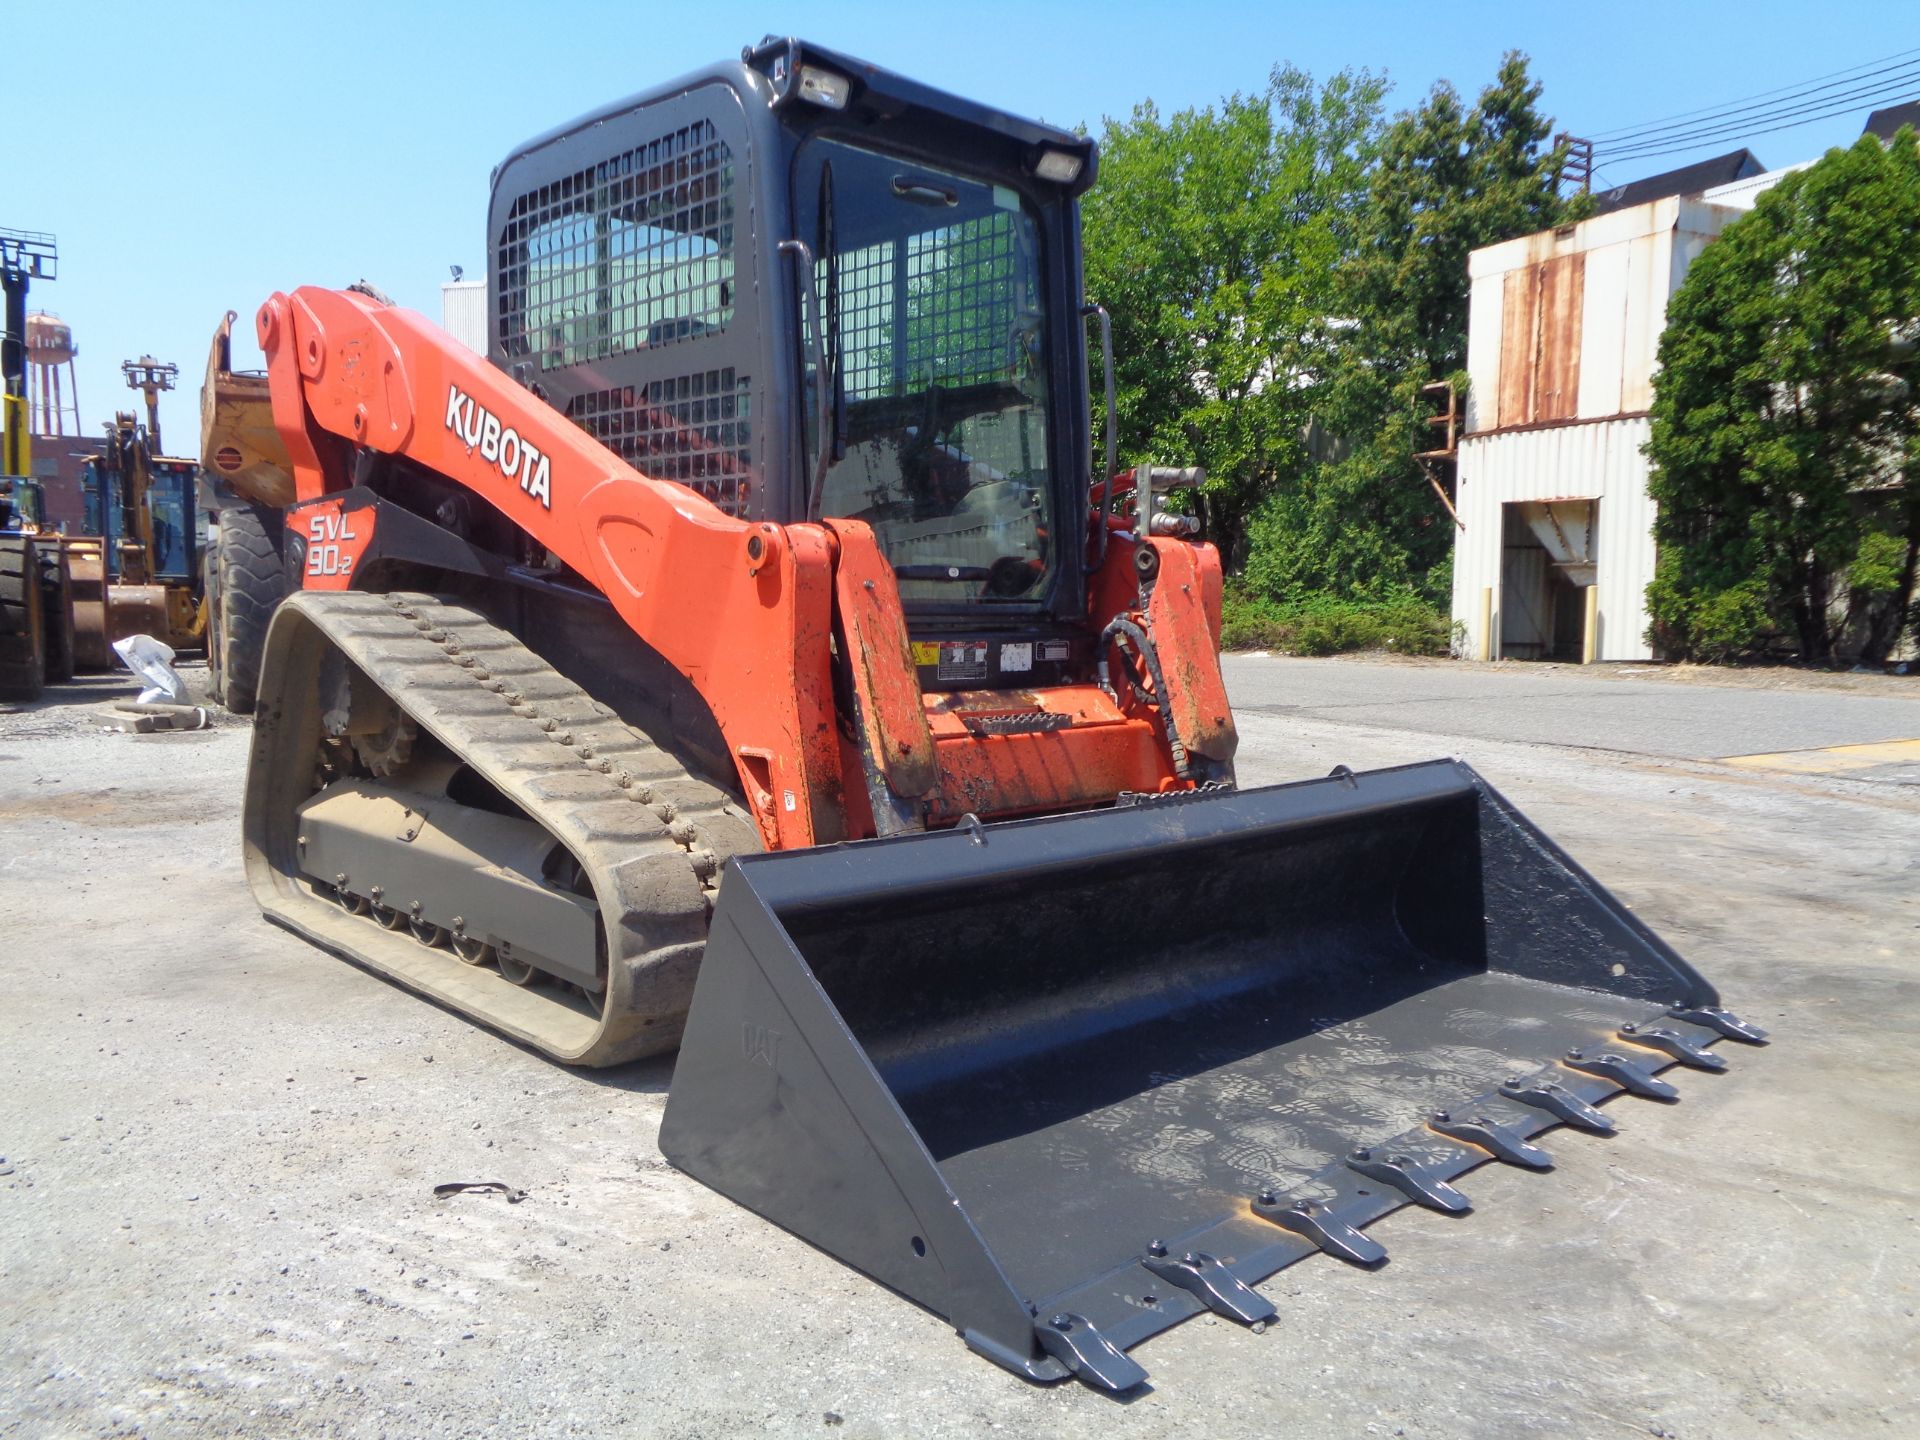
(1559,1102)
(1503,1142)
(1077,1343)
(1716,1018)
(1672,1044)
(1208,1280)
(1411,1179)
(1627,1074)
(1311,1220)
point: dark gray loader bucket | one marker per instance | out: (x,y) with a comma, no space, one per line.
(1069,1081)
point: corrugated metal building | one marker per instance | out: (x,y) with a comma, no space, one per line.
(463,312)
(1563,334)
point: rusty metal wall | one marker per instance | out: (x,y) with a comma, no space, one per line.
(1565,324)
(1540,330)
(1599,461)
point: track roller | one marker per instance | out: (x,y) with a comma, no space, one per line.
(514,970)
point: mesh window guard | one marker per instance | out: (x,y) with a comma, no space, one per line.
(632,253)
(691,428)
(945,322)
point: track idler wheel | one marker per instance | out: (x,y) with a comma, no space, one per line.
(387,915)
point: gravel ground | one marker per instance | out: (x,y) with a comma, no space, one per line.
(217,1219)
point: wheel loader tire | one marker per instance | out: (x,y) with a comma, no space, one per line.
(210,595)
(23,641)
(245,585)
(56,600)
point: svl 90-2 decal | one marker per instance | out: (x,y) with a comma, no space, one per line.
(336,539)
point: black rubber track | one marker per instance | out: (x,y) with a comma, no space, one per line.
(651,838)
(247,584)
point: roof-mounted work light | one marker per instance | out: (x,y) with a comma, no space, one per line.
(1062,167)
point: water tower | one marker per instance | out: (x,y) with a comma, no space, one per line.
(50,349)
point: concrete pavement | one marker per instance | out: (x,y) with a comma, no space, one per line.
(1629,710)
(219,1218)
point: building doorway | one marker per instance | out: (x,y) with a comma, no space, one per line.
(1547,562)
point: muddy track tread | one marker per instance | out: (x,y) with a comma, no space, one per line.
(652,837)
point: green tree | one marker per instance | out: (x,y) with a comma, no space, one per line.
(1449,179)
(1214,238)
(1784,437)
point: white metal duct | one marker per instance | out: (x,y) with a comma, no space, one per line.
(1564,529)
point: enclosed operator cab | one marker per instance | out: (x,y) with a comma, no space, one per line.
(656,272)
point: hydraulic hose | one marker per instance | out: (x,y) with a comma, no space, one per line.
(1122,628)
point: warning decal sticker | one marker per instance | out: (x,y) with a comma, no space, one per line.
(963,660)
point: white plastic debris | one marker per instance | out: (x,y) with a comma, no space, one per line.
(152,661)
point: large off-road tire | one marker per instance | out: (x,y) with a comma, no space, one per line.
(23,641)
(245,585)
(210,597)
(56,601)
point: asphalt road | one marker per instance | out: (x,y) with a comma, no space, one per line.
(216,1208)
(1638,710)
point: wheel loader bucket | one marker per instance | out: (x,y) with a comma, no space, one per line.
(1069,1081)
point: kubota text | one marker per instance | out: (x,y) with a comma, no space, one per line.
(500,446)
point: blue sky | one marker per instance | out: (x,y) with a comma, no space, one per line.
(193,158)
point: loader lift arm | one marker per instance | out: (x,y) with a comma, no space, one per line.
(349,374)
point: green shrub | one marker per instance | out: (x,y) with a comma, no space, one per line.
(1695,620)
(1878,564)
(1773,415)
(1325,625)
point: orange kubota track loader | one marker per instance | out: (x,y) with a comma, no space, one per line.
(747,655)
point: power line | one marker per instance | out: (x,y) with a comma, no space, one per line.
(1906,67)
(1907,81)
(1899,85)
(1902,84)
(1798,89)
(1789,119)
